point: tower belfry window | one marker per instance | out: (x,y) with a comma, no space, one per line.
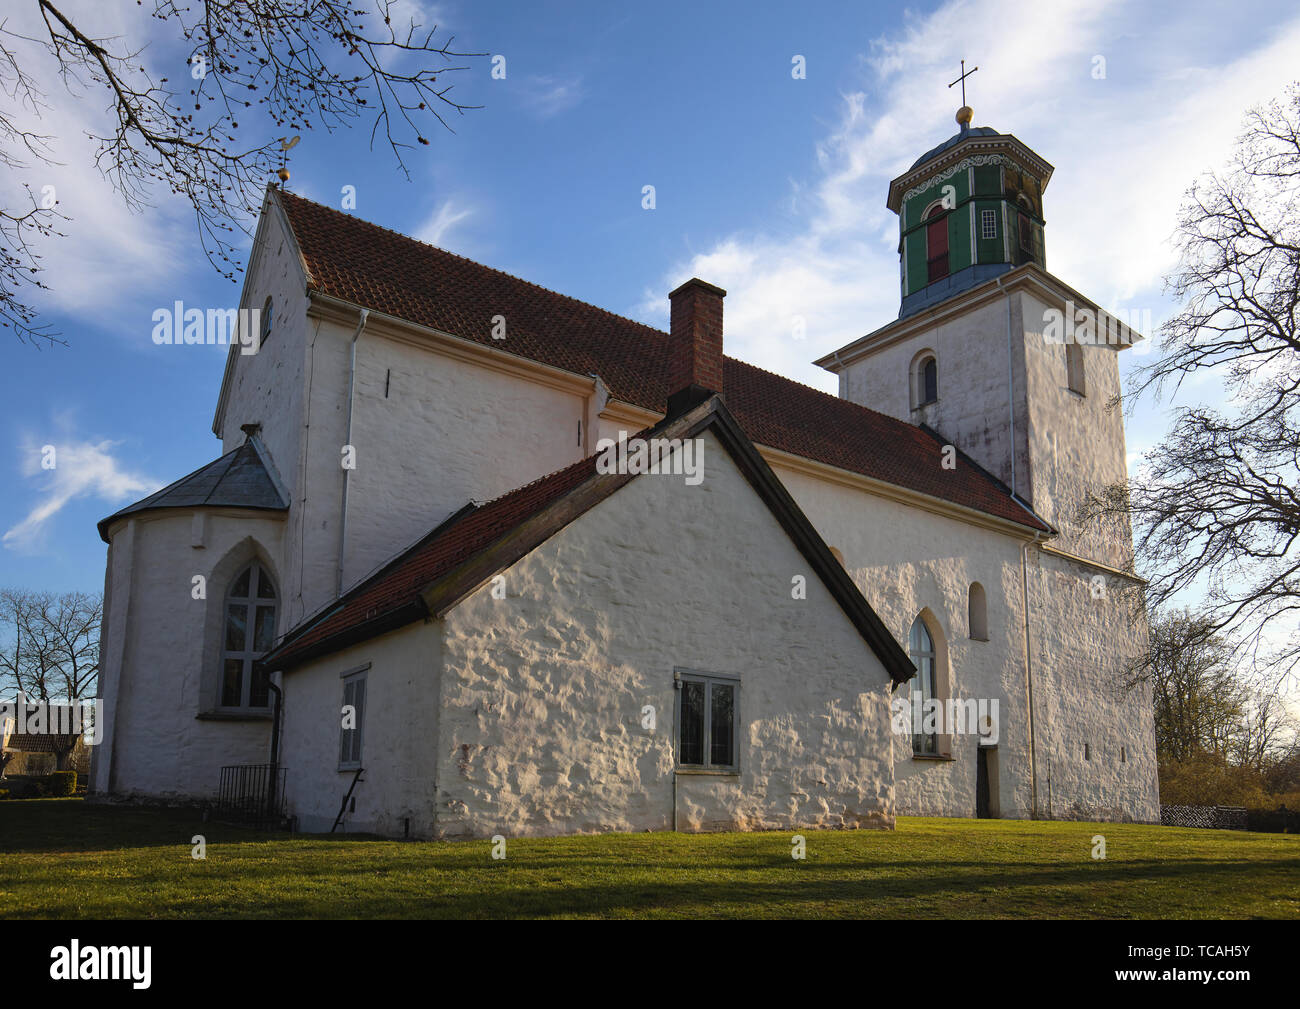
(936,243)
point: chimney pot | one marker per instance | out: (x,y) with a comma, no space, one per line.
(695,343)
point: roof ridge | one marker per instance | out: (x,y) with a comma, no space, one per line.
(355,220)
(472,262)
(830,397)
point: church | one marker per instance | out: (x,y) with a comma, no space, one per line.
(478,558)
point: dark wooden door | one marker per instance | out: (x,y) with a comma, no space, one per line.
(982,784)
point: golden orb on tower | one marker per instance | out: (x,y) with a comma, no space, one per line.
(964,115)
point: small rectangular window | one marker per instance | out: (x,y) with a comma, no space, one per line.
(707,717)
(352,720)
(1087,752)
(1123,757)
(1075,377)
(988,224)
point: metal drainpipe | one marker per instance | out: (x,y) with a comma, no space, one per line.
(275,721)
(1029,671)
(1011,383)
(343,506)
(677,685)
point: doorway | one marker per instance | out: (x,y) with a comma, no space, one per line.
(983,791)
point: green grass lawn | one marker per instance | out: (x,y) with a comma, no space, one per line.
(63,858)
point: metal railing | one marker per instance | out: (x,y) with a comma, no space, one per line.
(252,794)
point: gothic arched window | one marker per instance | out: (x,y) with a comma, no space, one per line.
(936,243)
(921,652)
(249,630)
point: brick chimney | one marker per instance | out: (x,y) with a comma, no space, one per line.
(695,344)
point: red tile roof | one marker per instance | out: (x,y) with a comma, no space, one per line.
(389,591)
(384,271)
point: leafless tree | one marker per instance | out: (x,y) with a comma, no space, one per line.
(1215,511)
(212,132)
(49,644)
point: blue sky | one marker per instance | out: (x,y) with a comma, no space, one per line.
(769,186)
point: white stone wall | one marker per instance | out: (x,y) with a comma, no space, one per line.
(1076,442)
(161,653)
(398,744)
(1080,639)
(432,433)
(974,383)
(269,388)
(542,692)
(906,561)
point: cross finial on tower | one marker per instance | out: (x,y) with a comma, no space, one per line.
(962,80)
(964,114)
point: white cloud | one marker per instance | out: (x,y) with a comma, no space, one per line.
(1125,149)
(545,95)
(82,469)
(440,223)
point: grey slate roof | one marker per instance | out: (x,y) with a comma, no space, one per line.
(956,138)
(244,478)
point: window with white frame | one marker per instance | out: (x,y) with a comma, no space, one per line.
(352,720)
(708,712)
(249,632)
(988,224)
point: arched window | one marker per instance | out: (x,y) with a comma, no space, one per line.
(924,380)
(929,380)
(1074,376)
(249,630)
(977,612)
(936,243)
(921,651)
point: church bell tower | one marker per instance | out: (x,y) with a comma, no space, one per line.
(968,210)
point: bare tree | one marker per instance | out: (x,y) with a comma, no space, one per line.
(1216,510)
(49,651)
(256,69)
(49,644)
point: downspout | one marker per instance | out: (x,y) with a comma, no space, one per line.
(1011,384)
(343,506)
(1029,670)
(273,782)
(275,720)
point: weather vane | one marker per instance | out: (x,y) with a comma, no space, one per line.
(286,145)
